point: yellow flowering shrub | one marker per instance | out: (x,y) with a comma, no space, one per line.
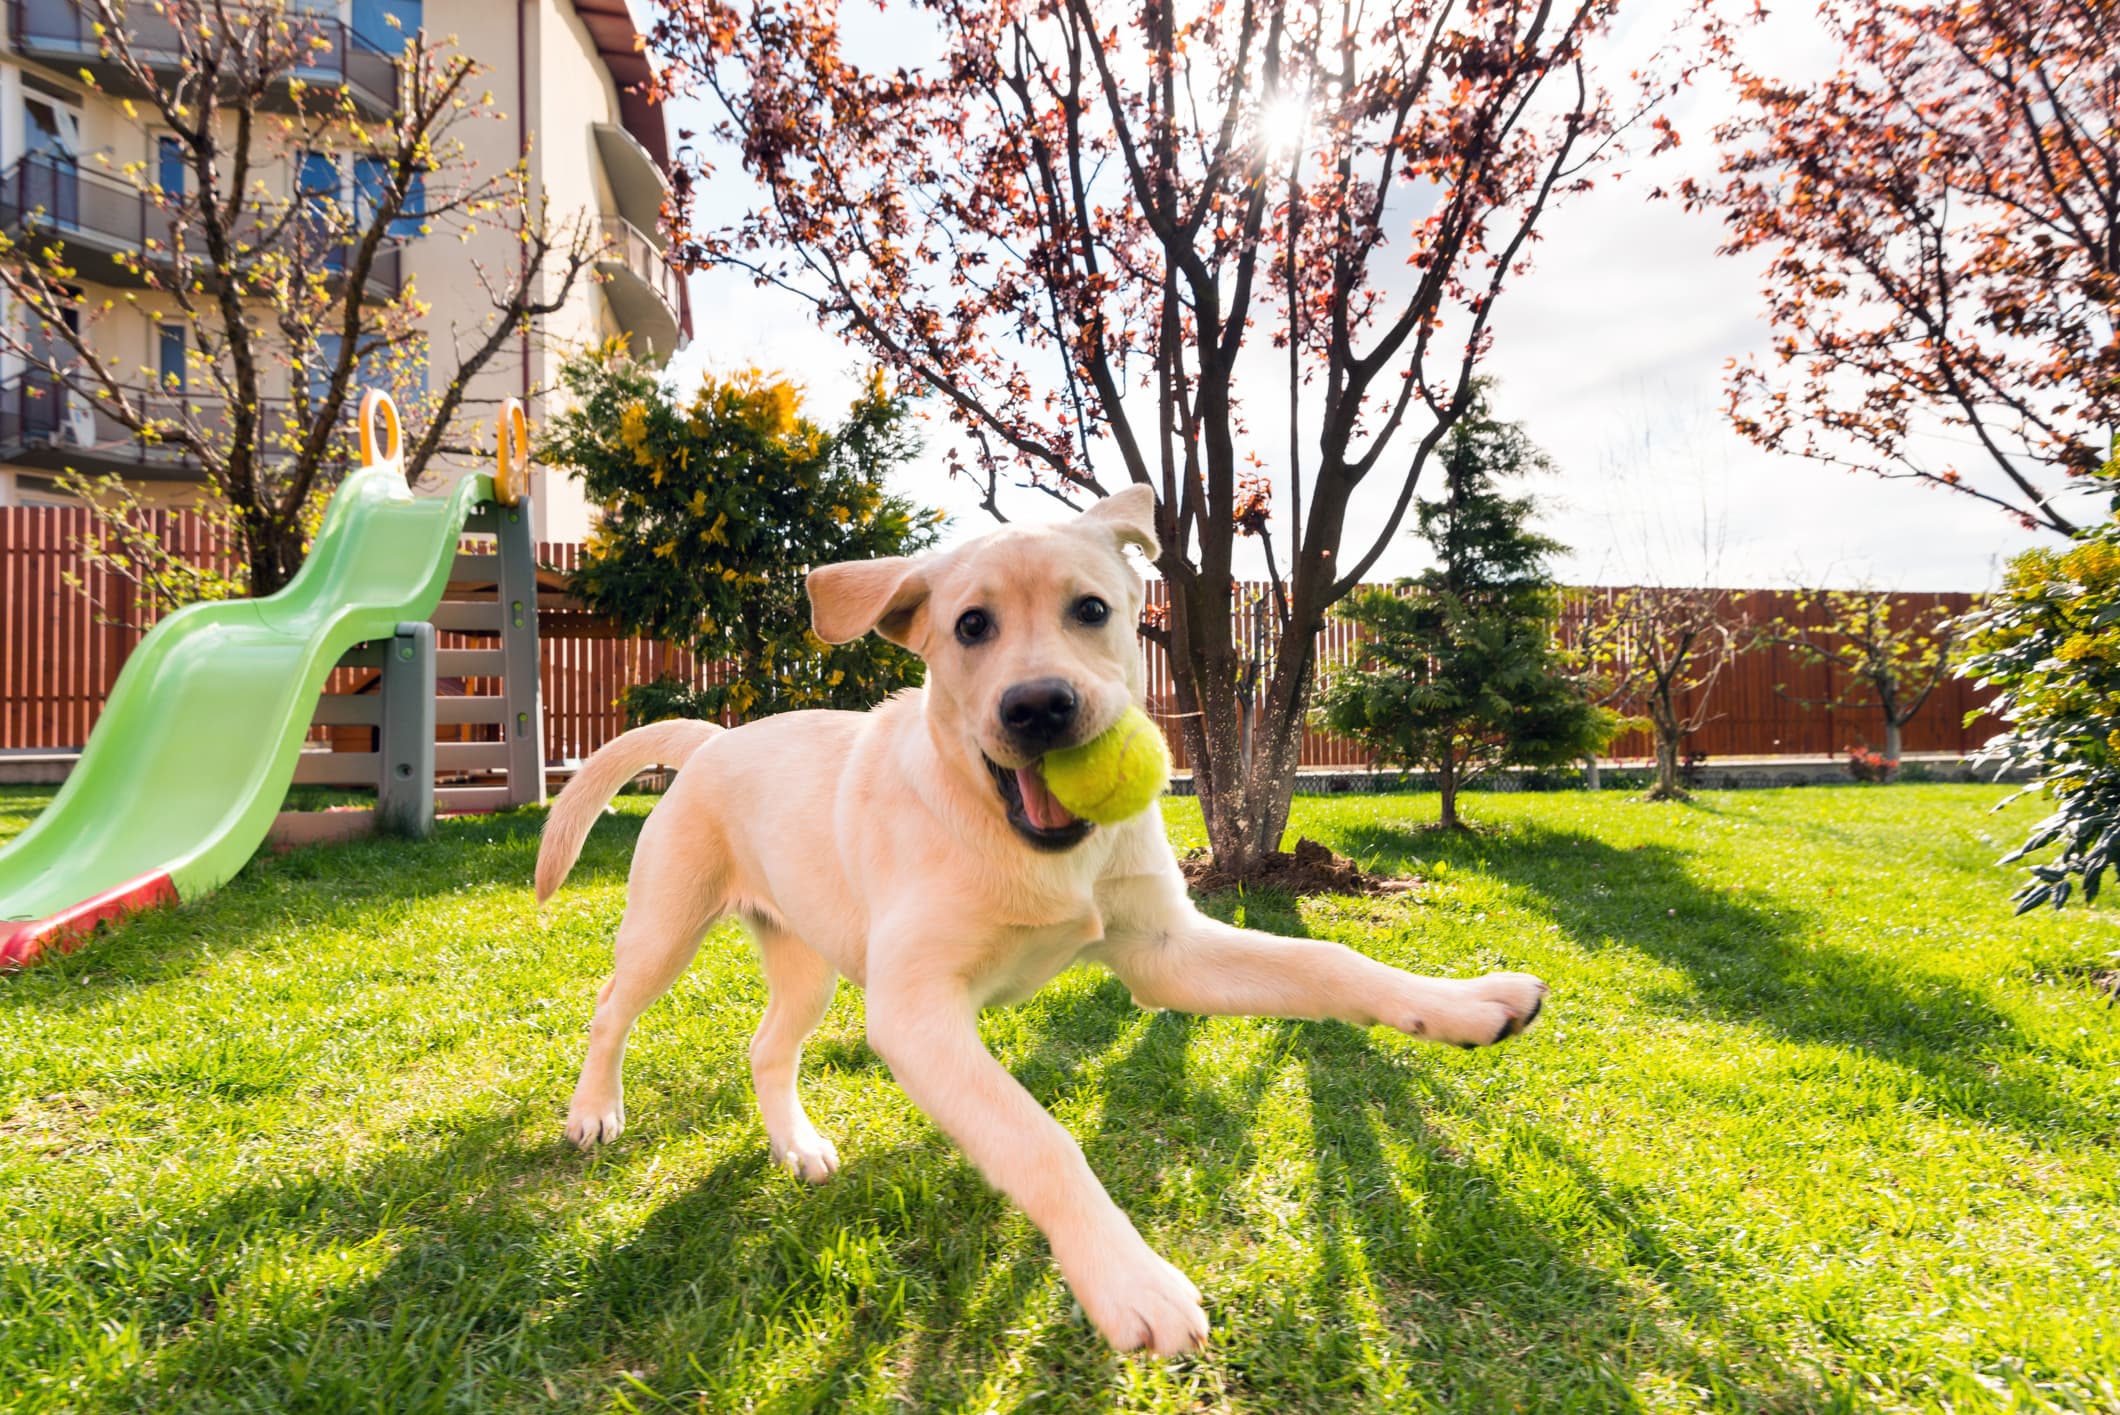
(717,501)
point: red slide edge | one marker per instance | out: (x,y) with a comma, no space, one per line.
(24,941)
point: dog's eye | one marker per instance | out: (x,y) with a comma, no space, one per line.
(1091,610)
(973,625)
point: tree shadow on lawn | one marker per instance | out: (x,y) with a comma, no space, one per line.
(1433,1272)
(1751,960)
(1560,1292)
(1405,1282)
(1421,1254)
(313,887)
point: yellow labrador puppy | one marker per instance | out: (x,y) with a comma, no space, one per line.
(916,850)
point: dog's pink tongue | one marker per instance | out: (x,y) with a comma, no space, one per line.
(1039,807)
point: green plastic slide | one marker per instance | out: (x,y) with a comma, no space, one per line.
(195,750)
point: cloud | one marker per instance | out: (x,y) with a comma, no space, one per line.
(1619,339)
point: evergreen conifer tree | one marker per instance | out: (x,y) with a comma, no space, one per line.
(1461,672)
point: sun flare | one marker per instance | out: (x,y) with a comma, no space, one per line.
(1282,125)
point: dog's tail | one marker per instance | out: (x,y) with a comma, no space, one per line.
(610,767)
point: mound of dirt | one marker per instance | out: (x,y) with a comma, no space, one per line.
(1310,868)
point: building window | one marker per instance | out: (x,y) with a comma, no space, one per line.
(53,130)
(371,175)
(51,140)
(171,345)
(319,179)
(170,168)
(401,373)
(322,362)
(40,491)
(372,22)
(317,185)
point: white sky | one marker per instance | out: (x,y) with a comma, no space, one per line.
(1611,351)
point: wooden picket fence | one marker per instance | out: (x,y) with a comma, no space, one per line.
(1759,705)
(59,659)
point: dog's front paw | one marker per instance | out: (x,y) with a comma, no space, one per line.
(808,1155)
(1477,1012)
(1139,1301)
(595,1120)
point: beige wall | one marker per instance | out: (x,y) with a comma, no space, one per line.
(569,90)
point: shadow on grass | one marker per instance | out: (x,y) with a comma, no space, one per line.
(1503,1302)
(1461,1307)
(743,1288)
(1421,1275)
(1751,961)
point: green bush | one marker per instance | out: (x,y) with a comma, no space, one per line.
(2050,643)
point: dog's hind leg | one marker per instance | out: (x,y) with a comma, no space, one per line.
(670,903)
(800,983)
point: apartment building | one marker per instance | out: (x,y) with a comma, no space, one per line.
(560,70)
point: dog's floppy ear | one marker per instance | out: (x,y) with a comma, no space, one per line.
(1130,514)
(887,595)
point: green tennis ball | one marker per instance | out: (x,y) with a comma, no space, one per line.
(1113,775)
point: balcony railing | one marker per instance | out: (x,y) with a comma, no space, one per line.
(639,186)
(626,244)
(44,424)
(61,34)
(52,195)
(644,292)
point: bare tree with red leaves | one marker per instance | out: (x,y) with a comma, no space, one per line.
(1667,650)
(1943,217)
(1076,226)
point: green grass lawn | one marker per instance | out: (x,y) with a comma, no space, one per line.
(1810,1123)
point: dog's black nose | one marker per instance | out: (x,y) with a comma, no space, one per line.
(1039,712)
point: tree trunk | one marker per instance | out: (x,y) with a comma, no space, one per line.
(1244,795)
(1667,783)
(1892,740)
(1447,780)
(1245,803)
(1592,779)
(273,554)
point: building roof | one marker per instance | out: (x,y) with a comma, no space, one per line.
(623,50)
